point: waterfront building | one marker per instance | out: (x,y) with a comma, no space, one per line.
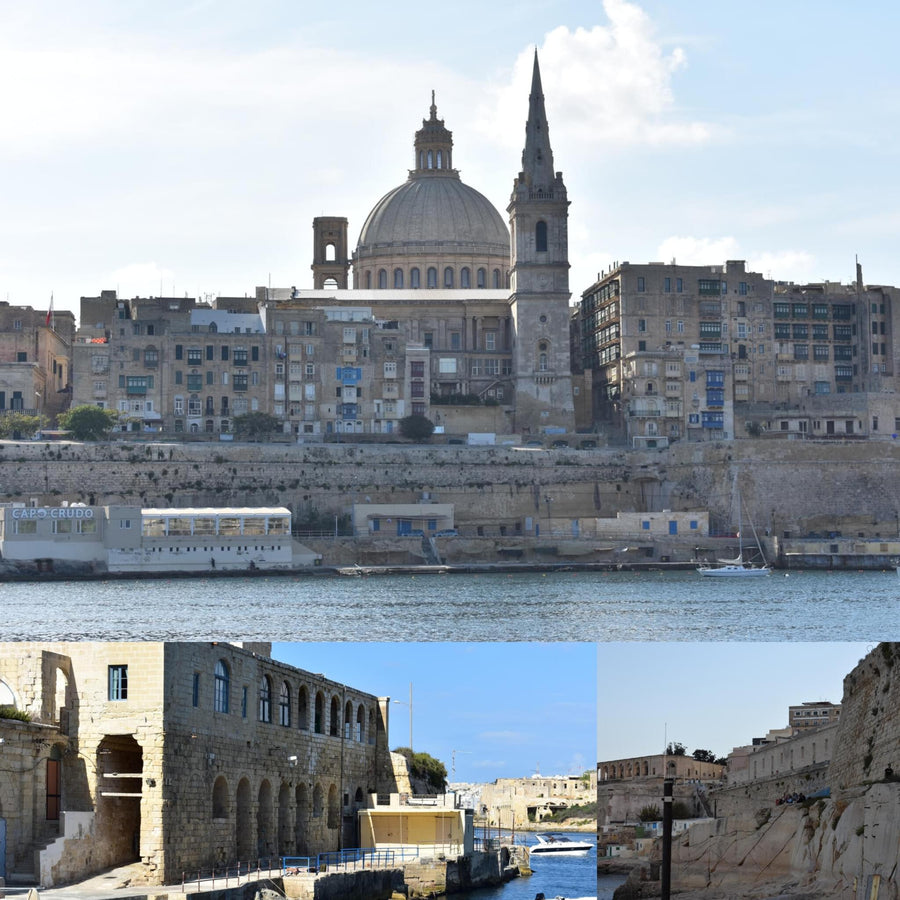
(89,539)
(516,802)
(178,757)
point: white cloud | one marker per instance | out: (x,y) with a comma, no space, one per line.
(611,84)
(781,265)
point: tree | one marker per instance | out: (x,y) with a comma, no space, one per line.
(416,428)
(424,768)
(88,423)
(676,749)
(650,814)
(19,425)
(255,425)
(704,756)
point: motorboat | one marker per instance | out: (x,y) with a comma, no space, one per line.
(559,843)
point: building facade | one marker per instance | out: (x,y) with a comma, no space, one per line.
(179,757)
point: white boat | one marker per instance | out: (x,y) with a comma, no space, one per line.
(559,843)
(738,568)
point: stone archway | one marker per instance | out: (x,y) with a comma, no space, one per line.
(243,823)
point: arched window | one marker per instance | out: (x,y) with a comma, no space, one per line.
(440,159)
(220,798)
(330,253)
(542,362)
(265,699)
(432,277)
(540,237)
(221,680)
(398,278)
(213,328)
(348,720)
(465,277)
(303,708)
(421,159)
(430,160)
(448,277)
(368,281)
(210,426)
(284,704)
(482,278)
(382,278)
(414,278)
(361,724)
(320,713)
(497,279)
(210,406)
(334,723)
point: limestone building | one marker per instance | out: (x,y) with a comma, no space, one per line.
(707,352)
(35,360)
(444,309)
(514,802)
(178,757)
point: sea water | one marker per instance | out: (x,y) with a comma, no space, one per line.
(533,606)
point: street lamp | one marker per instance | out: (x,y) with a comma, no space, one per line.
(410,705)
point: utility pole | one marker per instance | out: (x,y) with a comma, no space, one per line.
(666,873)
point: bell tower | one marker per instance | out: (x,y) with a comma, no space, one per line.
(539,279)
(331,262)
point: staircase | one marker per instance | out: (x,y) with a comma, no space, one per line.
(429,550)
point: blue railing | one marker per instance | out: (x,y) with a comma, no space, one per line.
(357,858)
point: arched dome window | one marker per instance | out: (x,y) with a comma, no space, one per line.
(496,279)
(430,160)
(213,328)
(330,253)
(414,280)
(368,281)
(448,277)
(440,160)
(540,237)
(465,277)
(482,278)
(398,278)
(382,278)
(432,277)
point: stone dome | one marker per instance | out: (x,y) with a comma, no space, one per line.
(433,230)
(440,213)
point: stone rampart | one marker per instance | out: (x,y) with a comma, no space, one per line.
(786,486)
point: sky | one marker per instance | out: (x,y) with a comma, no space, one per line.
(185,147)
(507,709)
(710,696)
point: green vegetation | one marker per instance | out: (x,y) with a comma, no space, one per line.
(416,428)
(256,425)
(650,814)
(88,423)
(425,768)
(19,425)
(10,712)
(676,749)
(578,811)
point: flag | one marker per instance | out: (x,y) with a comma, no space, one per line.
(50,312)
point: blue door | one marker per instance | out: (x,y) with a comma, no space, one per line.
(404,526)
(673,526)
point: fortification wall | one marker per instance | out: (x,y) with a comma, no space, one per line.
(785,486)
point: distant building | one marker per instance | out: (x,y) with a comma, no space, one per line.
(813,714)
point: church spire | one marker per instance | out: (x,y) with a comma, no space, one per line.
(537,157)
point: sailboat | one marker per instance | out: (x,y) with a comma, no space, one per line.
(738,568)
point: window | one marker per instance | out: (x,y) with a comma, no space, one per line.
(465,277)
(265,699)
(195,356)
(240,381)
(481,278)
(382,278)
(490,340)
(220,700)
(195,690)
(641,283)
(284,705)
(642,325)
(540,237)
(667,285)
(432,277)
(240,356)
(496,278)
(448,277)
(151,357)
(414,278)
(679,285)
(118,682)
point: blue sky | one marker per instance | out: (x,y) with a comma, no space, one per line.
(504,707)
(713,696)
(186,147)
